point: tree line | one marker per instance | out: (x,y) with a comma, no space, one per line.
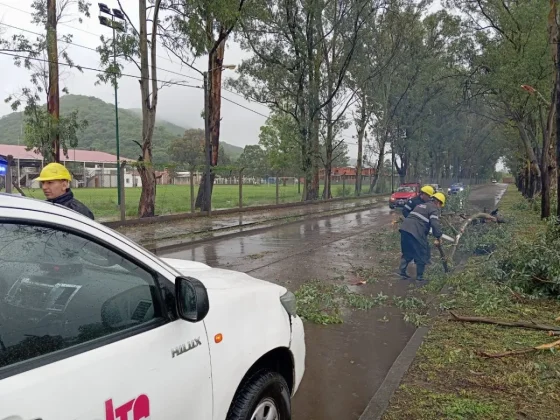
(438,94)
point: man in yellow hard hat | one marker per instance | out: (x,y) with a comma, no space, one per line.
(55,182)
(414,235)
(426,193)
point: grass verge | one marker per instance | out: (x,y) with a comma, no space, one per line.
(449,378)
(172,199)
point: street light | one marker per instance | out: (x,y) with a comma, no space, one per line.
(208,183)
(115,20)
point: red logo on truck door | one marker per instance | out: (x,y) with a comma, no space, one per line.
(139,409)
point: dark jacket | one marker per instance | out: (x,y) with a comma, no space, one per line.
(410,204)
(420,220)
(67,200)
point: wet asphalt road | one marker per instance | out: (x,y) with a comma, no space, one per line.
(346,363)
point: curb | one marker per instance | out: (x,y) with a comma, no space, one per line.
(113,224)
(380,400)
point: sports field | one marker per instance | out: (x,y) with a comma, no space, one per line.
(176,198)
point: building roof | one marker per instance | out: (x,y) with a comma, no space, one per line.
(77,155)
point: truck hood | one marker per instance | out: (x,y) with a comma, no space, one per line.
(403,195)
(217,278)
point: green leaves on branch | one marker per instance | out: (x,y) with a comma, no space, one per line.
(41,128)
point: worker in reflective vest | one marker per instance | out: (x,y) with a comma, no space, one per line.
(426,193)
(414,235)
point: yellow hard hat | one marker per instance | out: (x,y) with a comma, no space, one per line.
(54,172)
(428,189)
(440,197)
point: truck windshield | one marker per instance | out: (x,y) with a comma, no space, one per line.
(405,189)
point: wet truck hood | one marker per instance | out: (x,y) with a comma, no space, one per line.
(403,195)
(217,278)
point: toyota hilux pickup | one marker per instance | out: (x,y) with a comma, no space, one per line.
(94,327)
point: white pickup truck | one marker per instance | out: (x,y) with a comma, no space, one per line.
(93,326)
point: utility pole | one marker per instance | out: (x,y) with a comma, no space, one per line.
(119,185)
(392,167)
(207,147)
(117,24)
(53,103)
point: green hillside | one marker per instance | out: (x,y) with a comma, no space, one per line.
(232,151)
(172,128)
(100,133)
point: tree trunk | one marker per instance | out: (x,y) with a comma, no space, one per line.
(380,161)
(146,205)
(556,105)
(215,63)
(402,170)
(53,94)
(529,150)
(361,123)
(316,125)
(546,167)
(327,193)
(328,153)
(199,203)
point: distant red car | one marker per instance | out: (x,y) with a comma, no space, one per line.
(404,193)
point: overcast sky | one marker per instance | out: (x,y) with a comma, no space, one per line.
(180,105)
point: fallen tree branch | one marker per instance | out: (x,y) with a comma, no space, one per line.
(448,223)
(516,324)
(485,216)
(547,346)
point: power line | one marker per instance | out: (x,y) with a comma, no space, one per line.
(167,82)
(137,77)
(242,106)
(93,49)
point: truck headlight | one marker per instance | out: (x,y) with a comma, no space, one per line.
(288,301)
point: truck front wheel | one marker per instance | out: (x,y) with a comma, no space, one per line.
(263,396)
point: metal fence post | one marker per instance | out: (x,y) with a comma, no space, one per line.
(191,182)
(10,160)
(241,188)
(120,181)
(277,190)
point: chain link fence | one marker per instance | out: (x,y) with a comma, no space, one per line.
(177,186)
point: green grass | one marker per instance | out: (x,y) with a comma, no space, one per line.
(172,199)
(449,379)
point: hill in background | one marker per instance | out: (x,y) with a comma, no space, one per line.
(100,132)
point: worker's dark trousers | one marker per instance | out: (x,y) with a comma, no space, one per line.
(413,249)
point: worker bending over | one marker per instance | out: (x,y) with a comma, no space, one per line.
(414,234)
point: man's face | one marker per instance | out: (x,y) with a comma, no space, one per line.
(424,197)
(54,189)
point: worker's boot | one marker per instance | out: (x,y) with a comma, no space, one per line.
(402,268)
(420,272)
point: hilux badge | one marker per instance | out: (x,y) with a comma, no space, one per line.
(183,348)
